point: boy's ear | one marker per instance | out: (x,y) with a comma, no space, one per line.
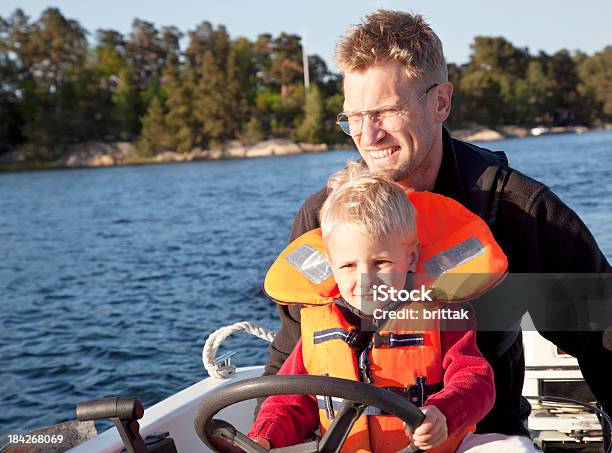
(414,256)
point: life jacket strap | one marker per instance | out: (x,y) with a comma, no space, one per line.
(393,340)
(335,333)
(364,365)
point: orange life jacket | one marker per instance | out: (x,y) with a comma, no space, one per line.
(409,362)
(459,260)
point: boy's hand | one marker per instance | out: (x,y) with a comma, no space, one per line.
(263,442)
(433,430)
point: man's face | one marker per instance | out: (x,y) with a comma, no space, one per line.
(406,153)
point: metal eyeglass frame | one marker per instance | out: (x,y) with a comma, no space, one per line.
(401,111)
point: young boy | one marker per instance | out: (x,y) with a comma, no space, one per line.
(369,234)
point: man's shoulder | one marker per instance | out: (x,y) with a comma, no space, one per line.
(314,202)
(475,161)
(477,155)
(307,218)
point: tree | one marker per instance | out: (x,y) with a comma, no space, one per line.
(539,97)
(126,105)
(200,40)
(595,75)
(209,101)
(497,55)
(145,52)
(51,55)
(241,85)
(10,117)
(286,68)
(481,98)
(263,57)
(309,129)
(119,104)
(170,44)
(177,87)
(154,135)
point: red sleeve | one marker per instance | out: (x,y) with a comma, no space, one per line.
(286,420)
(469,388)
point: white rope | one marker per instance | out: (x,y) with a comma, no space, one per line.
(215,339)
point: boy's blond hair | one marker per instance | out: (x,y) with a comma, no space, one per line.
(370,202)
(393,36)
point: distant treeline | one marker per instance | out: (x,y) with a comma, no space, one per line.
(57,89)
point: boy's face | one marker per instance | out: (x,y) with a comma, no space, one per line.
(359,261)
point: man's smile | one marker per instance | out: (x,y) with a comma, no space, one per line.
(381,153)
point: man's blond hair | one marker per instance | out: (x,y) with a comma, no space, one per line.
(371,202)
(393,36)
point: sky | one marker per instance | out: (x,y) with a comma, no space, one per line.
(537,24)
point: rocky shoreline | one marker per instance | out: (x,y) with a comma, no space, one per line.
(102,154)
(483,134)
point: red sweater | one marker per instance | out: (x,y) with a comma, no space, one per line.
(467,396)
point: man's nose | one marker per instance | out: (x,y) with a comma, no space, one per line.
(371,133)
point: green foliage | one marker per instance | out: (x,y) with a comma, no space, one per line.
(240,86)
(505,85)
(495,54)
(154,136)
(177,88)
(209,101)
(309,128)
(252,132)
(11,121)
(330,132)
(124,115)
(595,74)
(286,68)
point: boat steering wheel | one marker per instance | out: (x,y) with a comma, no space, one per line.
(220,435)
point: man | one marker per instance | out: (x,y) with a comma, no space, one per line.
(397,97)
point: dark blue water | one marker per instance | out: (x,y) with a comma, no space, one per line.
(111,279)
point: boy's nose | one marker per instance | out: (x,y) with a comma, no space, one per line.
(367,278)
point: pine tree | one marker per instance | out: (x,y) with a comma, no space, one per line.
(154,136)
(125,105)
(241,86)
(177,87)
(209,101)
(309,130)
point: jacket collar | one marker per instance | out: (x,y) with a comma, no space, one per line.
(448,181)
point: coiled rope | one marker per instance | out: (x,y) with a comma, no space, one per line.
(214,340)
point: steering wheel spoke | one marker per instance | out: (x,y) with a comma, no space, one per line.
(336,435)
(220,429)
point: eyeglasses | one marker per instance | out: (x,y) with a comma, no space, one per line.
(389,119)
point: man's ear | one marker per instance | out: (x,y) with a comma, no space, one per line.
(444,94)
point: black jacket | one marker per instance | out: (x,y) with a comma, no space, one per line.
(538,233)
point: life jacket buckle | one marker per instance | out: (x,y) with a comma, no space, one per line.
(380,340)
(352,337)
